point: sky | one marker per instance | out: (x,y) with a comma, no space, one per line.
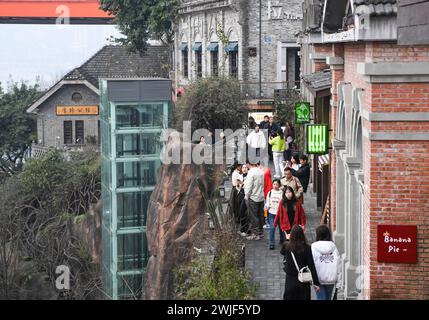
(47,51)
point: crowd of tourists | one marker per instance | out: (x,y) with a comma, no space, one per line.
(260,201)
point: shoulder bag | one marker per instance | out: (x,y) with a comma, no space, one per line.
(304,274)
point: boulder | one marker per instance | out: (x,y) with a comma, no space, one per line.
(175,215)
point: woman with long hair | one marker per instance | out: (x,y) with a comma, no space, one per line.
(297,255)
(290,212)
(327,260)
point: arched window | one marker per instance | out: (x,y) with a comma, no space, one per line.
(76,97)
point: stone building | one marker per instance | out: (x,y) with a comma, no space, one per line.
(379,116)
(68,112)
(251,40)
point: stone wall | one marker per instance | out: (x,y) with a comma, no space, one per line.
(281,21)
(50,126)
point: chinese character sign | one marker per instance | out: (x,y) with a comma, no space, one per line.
(302,112)
(397,244)
(77,110)
(317,139)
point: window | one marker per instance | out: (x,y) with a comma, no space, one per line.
(136,174)
(148,115)
(185,64)
(199,63)
(76,97)
(138,144)
(80,132)
(68,132)
(215,63)
(233,64)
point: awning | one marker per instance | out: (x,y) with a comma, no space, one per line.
(232,47)
(213,46)
(323,161)
(184,47)
(318,81)
(198,46)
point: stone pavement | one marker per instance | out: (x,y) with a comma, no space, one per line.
(266,265)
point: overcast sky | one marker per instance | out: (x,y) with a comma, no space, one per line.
(48,51)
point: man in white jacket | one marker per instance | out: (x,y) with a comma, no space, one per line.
(256,140)
(327,261)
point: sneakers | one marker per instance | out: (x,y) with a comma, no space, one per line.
(272,247)
(266,226)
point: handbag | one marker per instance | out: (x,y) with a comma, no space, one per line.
(304,274)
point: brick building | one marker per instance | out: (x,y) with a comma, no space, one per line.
(379,115)
(68,112)
(260,47)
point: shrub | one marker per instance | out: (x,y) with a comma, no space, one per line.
(211,103)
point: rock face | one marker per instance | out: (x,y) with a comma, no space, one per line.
(89,232)
(175,213)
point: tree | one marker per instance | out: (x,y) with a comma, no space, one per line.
(212,103)
(141,20)
(17,128)
(40,208)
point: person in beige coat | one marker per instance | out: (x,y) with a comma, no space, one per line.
(289,180)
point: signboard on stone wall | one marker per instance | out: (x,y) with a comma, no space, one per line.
(77,110)
(397,244)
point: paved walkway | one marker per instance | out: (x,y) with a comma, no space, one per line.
(266,266)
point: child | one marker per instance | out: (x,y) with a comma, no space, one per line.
(271,205)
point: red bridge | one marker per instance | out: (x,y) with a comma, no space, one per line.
(53,11)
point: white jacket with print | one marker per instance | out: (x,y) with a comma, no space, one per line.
(327,260)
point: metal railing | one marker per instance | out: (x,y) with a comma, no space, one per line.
(264,90)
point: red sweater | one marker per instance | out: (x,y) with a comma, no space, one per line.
(268,184)
(283,219)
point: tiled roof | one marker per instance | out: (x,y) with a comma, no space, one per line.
(318,81)
(118,62)
(375,7)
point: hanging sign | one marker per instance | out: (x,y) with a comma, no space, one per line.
(397,244)
(302,112)
(317,139)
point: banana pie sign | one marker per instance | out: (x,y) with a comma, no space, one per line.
(397,244)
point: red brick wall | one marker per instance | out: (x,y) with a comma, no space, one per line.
(399,192)
(396,173)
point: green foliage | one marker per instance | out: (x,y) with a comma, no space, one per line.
(141,20)
(218,273)
(17,128)
(211,103)
(40,207)
(220,279)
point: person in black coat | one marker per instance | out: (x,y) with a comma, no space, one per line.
(303,173)
(294,289)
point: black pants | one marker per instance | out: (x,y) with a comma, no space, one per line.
(295,290)
(244,220)
(256,214)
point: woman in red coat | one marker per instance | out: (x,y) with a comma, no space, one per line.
(289,213)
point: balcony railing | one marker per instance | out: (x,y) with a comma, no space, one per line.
(265,90)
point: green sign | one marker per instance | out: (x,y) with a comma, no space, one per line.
(302,112)
(317,139)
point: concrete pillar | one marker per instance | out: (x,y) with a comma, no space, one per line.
(353,230)
(340,209)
